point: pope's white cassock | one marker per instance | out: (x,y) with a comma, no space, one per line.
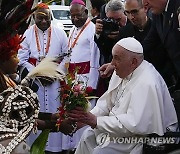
(85,54)
(29,57)
(137,105)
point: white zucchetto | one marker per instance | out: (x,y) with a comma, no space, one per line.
(131,44)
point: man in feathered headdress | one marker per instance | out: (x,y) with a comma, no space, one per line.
(17,118)
(10,26)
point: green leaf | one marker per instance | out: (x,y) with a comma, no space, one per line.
(38,147)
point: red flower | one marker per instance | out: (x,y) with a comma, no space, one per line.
(65,96)
(89,90)
(67,87)
(62,83)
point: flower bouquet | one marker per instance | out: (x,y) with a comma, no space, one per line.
(73,92)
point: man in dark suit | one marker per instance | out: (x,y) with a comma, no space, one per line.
(165,30)
(138,27)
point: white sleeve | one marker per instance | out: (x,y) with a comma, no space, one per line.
(101,108)
(94,64)
(24,54)
(64,49)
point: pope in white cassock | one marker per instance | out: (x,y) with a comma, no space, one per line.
(85,55)
(44,40)
(136,103)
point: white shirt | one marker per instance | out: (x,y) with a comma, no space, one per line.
(86,50)
(48,95)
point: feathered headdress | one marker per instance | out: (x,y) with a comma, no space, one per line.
(14,20)
(10,47)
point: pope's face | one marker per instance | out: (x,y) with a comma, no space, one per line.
(42,19)
(156,6)
(122,61)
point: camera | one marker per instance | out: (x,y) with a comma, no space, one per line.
(110,25)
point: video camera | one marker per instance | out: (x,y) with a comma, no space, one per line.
(110,25)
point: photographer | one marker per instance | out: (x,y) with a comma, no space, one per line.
(107,29)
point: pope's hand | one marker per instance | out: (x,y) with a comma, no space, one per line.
(79,115)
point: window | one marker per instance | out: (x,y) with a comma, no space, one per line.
(61,14)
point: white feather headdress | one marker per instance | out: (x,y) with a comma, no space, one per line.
(47,68)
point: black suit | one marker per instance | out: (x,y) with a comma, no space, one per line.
(131,30)
(167,34)
(157,56)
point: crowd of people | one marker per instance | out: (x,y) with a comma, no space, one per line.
(128,53)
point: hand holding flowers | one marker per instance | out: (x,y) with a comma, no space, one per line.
(73,93)
(79,115)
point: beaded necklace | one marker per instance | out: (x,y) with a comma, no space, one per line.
(38,44)
(75,41)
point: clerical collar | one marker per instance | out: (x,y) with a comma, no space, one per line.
(144,26)
(166,6)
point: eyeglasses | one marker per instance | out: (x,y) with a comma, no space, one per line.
(132,12)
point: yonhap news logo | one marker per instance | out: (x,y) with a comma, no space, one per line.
(104,139)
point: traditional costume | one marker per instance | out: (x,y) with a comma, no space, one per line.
(137,105)
(37,45)
(19,110)
(19,105)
